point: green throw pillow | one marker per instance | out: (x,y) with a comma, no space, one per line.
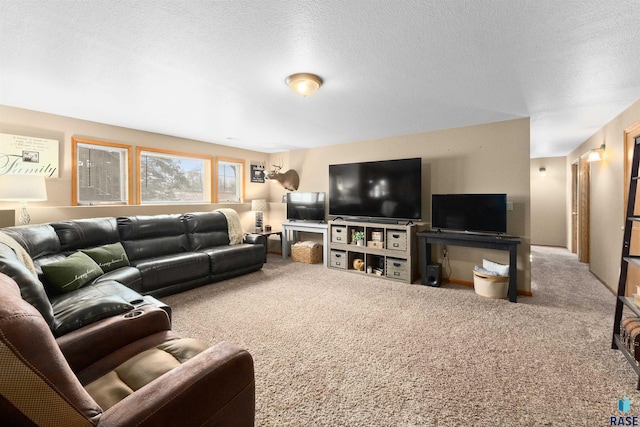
(72,272)
(108,257)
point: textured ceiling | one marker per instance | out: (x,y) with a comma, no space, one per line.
(215,70)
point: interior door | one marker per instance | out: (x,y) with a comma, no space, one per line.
(574,208)
(584,203)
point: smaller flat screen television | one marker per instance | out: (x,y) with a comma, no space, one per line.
(480,213)
(309,206)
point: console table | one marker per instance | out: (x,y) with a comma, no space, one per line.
(426,239)
(290,228)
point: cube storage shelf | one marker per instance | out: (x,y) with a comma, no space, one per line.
(388,250)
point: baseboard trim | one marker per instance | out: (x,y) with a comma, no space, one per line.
(459,282)
(613,291)
(470,284)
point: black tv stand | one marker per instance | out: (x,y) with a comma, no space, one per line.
(505,243)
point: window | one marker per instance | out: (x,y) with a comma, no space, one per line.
(172,177)
(100,172)
(230,180)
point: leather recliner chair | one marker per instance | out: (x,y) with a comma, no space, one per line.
(155,380)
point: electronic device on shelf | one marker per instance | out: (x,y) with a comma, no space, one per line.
(306,206)
(382,190)
(480,213)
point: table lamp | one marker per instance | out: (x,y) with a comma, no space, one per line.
(259,206)
(23,189)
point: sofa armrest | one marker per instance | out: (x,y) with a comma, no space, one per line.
(215,387)
(90,343)
(255,239)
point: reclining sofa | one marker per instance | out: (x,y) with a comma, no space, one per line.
(78,302)
(137,373)
(135,259)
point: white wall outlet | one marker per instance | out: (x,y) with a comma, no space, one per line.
(509,206)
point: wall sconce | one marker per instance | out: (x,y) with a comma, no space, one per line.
(23,189)
(543,171)
(596,154)
(259,206)
(304,84)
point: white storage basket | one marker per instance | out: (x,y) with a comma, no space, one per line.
(490,286)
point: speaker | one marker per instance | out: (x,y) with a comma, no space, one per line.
(434,274)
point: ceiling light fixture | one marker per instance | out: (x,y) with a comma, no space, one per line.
(304,84)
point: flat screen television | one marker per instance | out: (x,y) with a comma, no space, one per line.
(481,213)
(388,189)
(309,206)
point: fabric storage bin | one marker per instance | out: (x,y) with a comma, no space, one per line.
(397,240)
(307,252)
(490,286)
(339,234)
(338,259)
(397,269)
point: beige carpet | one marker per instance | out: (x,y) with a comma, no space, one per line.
(339,349)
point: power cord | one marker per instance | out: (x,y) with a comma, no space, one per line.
(446,266)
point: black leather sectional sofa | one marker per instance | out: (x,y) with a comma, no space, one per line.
(163,254)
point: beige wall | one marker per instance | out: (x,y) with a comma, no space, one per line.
(485,158)
(548,202)
(475,159)
(607,195)
(57,207)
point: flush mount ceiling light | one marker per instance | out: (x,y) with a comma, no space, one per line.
(304,84)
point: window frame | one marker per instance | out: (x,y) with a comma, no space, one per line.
(126,171)
(243,186)
(207,181)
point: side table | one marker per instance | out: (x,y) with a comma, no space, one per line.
(266,235)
